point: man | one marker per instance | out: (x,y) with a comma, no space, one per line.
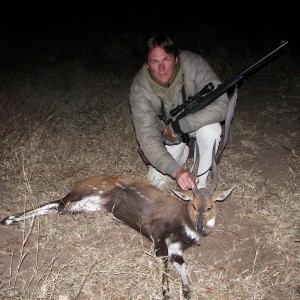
(166,79)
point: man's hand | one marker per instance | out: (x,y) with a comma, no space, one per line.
(170,137)
(184,179)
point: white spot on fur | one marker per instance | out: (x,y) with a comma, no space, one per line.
(87,204)
(120,185)
(192,234)
(142,196)
(10,220)
(211,223)
(173,248)
(132,188)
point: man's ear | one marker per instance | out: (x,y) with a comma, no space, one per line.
(147,66)
(176,60)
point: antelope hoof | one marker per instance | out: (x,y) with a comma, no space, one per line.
(166,295)
(186,293)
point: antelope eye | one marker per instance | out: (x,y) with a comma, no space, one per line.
(209,208)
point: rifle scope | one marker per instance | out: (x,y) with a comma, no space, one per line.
(207,88)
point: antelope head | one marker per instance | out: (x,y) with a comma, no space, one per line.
(201,205)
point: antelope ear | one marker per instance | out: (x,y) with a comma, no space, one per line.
(221,195)
(186,196)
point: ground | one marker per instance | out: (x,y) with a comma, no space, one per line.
(62,124)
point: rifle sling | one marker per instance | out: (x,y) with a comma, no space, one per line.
(163,116)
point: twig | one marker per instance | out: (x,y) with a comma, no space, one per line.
(84,281)
(22,251)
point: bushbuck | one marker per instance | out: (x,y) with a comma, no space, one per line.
(171,224)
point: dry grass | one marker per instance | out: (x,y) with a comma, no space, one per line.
(59,126)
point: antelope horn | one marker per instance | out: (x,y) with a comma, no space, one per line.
(197,192)
(215,177)
(196,163)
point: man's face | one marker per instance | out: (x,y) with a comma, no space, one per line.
(161,65)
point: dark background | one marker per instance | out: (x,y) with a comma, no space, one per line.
(64,30)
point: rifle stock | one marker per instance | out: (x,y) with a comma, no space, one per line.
(199,101)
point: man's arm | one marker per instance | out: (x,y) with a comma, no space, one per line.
(148,128)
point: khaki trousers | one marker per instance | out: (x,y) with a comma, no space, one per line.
(205,138)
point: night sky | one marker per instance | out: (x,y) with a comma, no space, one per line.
(30,29)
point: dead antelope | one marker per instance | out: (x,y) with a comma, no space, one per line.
(171,224)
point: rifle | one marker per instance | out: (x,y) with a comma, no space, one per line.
(209,93)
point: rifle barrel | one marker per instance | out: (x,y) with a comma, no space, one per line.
(197,102)
(263,60)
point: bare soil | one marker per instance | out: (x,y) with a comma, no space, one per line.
(62,124)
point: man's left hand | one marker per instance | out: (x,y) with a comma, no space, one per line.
(170,137)
(184,179)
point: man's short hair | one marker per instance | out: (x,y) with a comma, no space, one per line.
(163,42)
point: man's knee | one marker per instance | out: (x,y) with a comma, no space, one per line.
(209,132)
(156,178)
